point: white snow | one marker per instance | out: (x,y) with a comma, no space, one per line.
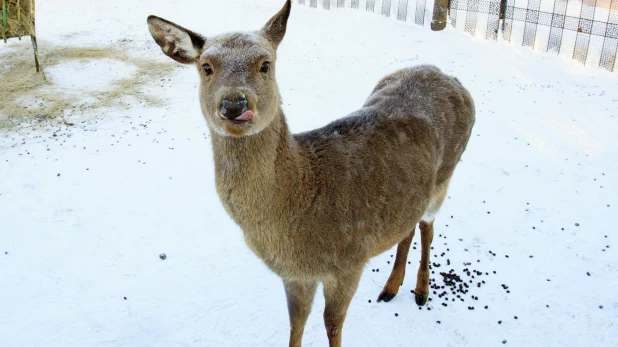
(94,75)
(85,210)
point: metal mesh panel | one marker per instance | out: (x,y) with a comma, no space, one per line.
(493,20)
(302,2)
(471,13)
(532,20)
(419,17)
(326,4)
(386,8)
(582,41)
(472,7)
(557,26)
(355,4)
(340,3)
(610,42)
(313,3)
(402,10)
(452,13)
(371,5)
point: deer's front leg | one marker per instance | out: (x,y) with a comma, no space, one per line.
(338,293)
(300,297)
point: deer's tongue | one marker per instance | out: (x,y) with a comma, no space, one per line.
(248,115)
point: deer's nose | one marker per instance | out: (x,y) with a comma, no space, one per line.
(233,108)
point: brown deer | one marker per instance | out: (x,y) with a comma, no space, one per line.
(316,206)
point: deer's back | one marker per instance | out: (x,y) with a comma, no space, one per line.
(375,170)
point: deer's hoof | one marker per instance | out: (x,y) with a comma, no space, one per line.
(386,296)
(421,299)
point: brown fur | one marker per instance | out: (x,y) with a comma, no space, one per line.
(316,206)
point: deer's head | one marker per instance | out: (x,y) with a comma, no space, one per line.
(238,92)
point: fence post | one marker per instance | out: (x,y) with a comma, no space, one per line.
(502,13)
(438,20)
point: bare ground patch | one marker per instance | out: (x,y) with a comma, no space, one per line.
(28,98)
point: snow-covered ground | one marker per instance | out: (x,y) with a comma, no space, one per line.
(85,210)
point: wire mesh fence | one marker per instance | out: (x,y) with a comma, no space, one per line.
(584,30)
(404,10)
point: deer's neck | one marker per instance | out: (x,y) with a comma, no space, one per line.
(261,179)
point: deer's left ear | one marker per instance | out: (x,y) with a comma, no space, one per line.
(274,30)
(176,42)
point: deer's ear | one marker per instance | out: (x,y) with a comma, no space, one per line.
(274,30)
(176,42)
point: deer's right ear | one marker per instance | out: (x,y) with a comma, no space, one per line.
(176,42)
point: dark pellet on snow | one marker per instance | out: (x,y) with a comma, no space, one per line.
(503,341)
(499,322)
(515,317)
(438,322)
(162,256)
(601,306)
(576,224)
(588,273)
(370,301)
(396,314)
(486,307)
(125,298)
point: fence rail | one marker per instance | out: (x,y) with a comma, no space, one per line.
(584,30)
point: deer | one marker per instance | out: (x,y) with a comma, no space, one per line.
(316,206)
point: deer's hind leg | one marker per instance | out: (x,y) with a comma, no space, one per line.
(426,226)
(399,270)
(300,297)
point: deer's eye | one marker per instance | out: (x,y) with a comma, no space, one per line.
(265,67)
(207,69)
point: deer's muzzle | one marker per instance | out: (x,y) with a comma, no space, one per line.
(236,109)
